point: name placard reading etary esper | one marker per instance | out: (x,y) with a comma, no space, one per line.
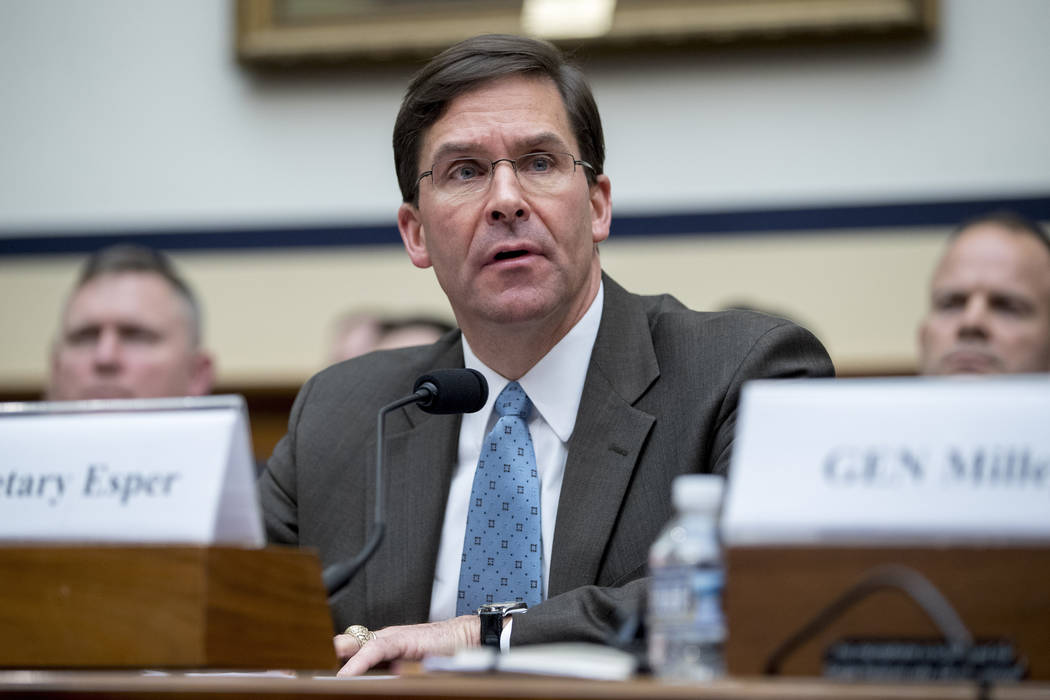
(158,470)
(882,461)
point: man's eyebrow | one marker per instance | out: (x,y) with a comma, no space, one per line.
(544,140)
(81,331)
(455,148)
(82,326)
(540,141)
(1014,297)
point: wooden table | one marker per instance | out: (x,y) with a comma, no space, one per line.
(93,684)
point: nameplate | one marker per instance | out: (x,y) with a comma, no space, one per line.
(920,661)
(891,460)
(156,470)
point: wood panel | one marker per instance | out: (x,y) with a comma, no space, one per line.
(998,591)
(162,607)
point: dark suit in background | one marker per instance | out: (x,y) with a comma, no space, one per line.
(660,399)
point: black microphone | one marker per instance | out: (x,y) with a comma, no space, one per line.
(453,391)
(440,391)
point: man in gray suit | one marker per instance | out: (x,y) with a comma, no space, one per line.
(499,153)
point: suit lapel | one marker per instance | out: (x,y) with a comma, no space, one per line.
(421,454)
(606,441)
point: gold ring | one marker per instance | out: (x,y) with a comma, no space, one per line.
(362,634)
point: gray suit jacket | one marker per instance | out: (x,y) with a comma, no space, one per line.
(659,400)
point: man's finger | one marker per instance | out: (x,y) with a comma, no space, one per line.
(371,654)
(346,645)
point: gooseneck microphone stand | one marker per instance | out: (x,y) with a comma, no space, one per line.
(440,391)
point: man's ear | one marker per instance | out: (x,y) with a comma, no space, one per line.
(601,208)
(413,235)
(202,374)
(922,335)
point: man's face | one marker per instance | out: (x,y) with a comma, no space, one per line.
(990,306)
(506,255)
(127,335)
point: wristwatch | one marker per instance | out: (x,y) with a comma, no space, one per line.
(492,615)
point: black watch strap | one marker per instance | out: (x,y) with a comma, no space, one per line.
(492,615)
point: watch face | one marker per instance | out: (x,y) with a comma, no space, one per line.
(503,608)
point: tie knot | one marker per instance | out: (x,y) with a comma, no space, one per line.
(513,401)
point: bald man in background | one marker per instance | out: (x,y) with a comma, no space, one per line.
(359,332)
(131,328)
(990,300)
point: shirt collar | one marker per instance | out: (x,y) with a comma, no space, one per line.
(555,383)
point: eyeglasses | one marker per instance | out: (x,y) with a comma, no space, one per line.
(538,173)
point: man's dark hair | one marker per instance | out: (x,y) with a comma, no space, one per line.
(481,59)
(1009,220)
(129,257)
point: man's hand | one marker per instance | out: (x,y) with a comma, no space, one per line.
(410,642)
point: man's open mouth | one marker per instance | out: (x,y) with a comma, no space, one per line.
(509,254)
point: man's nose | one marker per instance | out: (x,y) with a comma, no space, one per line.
(107,350)
(974,321)
(506,200)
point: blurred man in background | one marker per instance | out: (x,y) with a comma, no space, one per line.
(990,300)
(131,328)
(359,332)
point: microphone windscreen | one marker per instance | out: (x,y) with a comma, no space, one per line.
(454,391)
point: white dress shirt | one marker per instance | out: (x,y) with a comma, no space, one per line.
(555,386)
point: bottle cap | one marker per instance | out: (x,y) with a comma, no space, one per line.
(697,492)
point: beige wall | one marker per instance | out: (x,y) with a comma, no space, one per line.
(126,116)
(861,293)
(267,313)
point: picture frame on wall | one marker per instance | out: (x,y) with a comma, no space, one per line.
(297,31)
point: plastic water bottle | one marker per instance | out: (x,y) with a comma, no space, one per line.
(686,626)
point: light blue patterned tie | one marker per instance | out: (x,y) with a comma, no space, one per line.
(502,556)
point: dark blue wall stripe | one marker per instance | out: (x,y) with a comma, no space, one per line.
(945,213)
(878,216)
(205,239)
